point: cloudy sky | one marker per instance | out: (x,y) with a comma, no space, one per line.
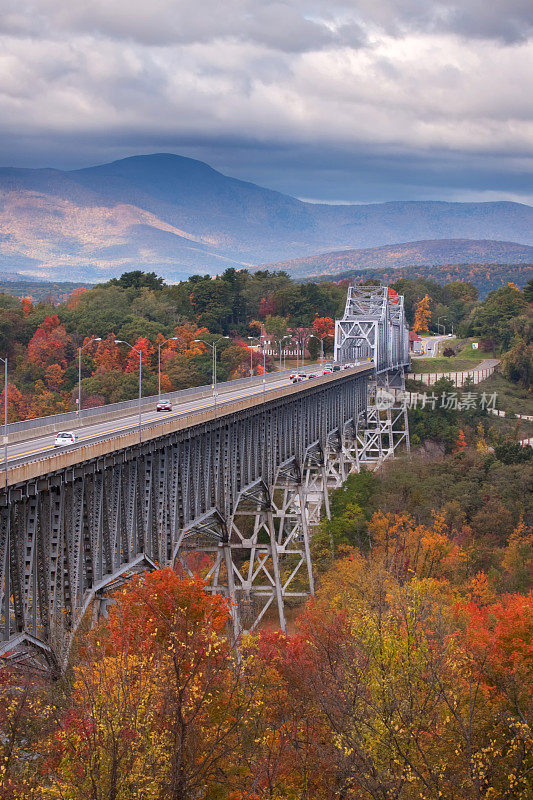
(336,100)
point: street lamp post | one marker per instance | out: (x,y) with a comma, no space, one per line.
(438,323)
(321,340)
(213,346)
(312,336)
(94,339)
(280,342)
(5,418)
(159,346)
(121,341)
(262,345)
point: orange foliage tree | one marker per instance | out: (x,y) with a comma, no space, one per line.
(158,698)
(75,296)
(322,326)
(53,377)
(106,354)
(144,346)
(27,306)
(422,315)
(16,404)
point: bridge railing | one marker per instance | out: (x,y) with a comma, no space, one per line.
(110,409)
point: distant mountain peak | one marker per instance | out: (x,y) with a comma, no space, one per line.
(177,215)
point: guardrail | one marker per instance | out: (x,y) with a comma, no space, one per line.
(21,469)
(459,378)
(54,422)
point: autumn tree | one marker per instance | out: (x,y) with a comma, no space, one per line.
(50,344)
(26,717)
(75,297)
(157,698)
(146,349)
(53,376)
(422,315)
(17,405)
(323,326)
(324,329)
(460,443)
(27,305)
(107,354)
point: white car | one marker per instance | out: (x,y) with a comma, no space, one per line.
(64,439)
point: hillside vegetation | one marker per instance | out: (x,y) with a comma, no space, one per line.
(409,675)
(486,277)
(452,256)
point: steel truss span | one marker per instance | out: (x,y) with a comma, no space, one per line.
(237,496)
(373,327)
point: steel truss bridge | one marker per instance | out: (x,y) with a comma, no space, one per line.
(374,328)
(235,493)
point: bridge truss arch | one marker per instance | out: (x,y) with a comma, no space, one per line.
(373,327)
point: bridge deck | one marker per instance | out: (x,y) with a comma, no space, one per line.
(35,457)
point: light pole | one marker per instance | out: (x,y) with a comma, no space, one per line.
(95,339)
(321,340)
(312,336)
(251,339)
(262,346)
(280,342)
(438,323)
(5,418)
(159,346)
(121,341)
(213,346)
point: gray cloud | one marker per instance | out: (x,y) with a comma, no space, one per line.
(389,88)
(292,25)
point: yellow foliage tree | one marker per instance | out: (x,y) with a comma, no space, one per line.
(422,315)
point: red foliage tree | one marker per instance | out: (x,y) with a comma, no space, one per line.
(460,443)
(107,356)
(322,326)
(267,307)
(49,343)
(145,347)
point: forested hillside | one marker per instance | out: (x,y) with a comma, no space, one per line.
(409,675)
(41,339)
(453,254)
(486,277)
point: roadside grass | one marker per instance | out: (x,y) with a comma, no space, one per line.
(466,358)
(511,397)
(466,351)
(455,364)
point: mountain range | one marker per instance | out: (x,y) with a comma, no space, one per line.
(178,216)
(436,253)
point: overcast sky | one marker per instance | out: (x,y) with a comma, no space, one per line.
(348,100)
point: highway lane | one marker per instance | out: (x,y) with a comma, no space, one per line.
(28,450)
